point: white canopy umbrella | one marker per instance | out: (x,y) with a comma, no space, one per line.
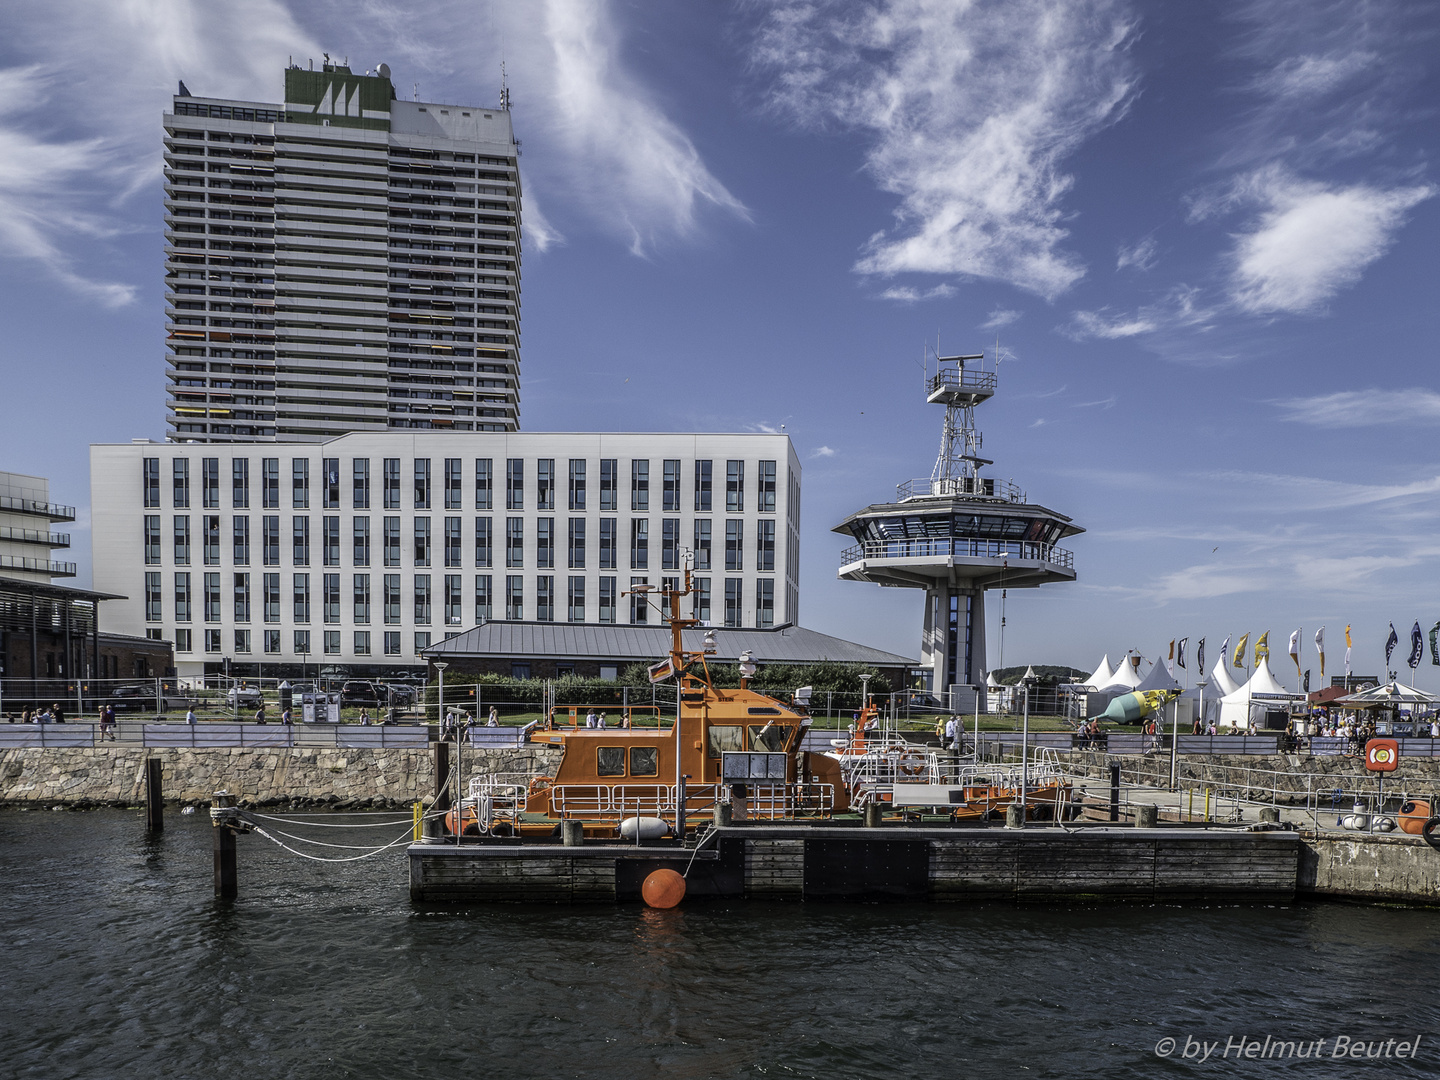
(1392,695)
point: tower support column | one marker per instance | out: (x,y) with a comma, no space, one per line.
(953,644)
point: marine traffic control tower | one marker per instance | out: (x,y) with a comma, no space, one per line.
(955,535)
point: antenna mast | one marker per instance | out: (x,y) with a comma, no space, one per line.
(958,465)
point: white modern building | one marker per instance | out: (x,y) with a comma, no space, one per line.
(342,261)
(357,553)
(26,541)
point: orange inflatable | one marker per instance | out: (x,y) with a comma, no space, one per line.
(1413,815)
(663,889)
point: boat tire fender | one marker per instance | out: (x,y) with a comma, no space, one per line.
(1428,830)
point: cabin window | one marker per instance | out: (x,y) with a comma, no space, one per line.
(771,739)
(723,738)
(644,761)
(610,761)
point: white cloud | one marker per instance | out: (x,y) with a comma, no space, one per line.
(972,108)
(1310,239)
(1038,423)
(1365,408)
(998,318)
(1101,324)
(1179,308)
(1141,255)
(908,295)
(1102,403)
(1205,582)
(822,452)
(1312,76)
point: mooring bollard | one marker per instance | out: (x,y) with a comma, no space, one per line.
(572,832)
(154,796)
(222,817)
(1270,814)
(1115,792)
(723,814)
(872,815)
(440,802)
(1014,816)
(1146,817)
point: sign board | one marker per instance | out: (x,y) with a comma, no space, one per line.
(1382,755)
(320,708)
(737,767)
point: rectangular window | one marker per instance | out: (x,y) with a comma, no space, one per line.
(362,642)
(182,597)
(360,483)
(152,539)
(422,599)
(392,598)
(734,545)
(240,540)
(301,595)
(182,640)
(180,483)
(766,494)
(422,640)
(577,600)
(270,483)
(765,545)
(545,484)
(577,543)
(242,597)
(514,597)
(484,484)
(422,483)
(610,761)
(484,543)
(330,497)
(452,542)
(734,487)
(640,484)
(454,493)
(150,482)
(330,588)
(609,484)
(545,543)
(644,761)
(639,601)
(484,598)
(702,599)
(670,496)
(514,542)
(182,540)
(577,483)
(300,483)
(210,483)
(300,540)
(212,640)
(210,540)
(609,527)
(392,643)
(240,483)
(514,484)
(422,541)
(702,543)
(272,599)
(272,641)
(330,541)
(607,599)
(361,597)
(392,541)
(154,602)
(454,599)
(765,603)
(270,540)
(639,543)
(733,593)
(392,483)
(360,554)
(242,641)
(332,641)
(670,544)
(545,598)
(302,642)
(702,487)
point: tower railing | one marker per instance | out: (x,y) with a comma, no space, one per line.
(976,487)
(962,547)
(965,379)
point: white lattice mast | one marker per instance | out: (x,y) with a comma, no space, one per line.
(958,466)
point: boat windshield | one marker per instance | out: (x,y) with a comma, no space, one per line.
(722,737)
(771,738)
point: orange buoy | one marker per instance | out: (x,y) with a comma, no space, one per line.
(663,889)
(1413,815)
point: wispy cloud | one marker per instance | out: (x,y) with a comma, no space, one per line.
(998,318)
(1140,255)
(1102,324)
(1365,408)
(971,107)
(1179,308)
(822,452)
(909,295)
(1101,403)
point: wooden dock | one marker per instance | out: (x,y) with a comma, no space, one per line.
(837,863)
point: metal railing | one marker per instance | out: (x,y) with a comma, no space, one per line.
(44,566)
(54,511)
(36,536)
(958,378)
(210,734)
(958,547)
(964,487)
(763,801)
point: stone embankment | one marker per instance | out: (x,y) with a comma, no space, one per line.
(259,776)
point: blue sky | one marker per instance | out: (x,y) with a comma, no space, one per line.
(1205,234)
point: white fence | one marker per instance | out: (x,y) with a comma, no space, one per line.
(347,736)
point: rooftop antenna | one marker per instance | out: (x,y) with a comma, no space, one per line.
(504,88)
(417,91)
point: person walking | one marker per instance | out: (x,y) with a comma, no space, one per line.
(950,733)
(590,719)
(107,723)
(287,718)
(494,720)
(190,716)
(364,717)
(57,714)
(260,714)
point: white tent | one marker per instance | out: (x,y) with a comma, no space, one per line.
(1127,675)
(1103,675)
(1220,681)
(1261,692)
(1158,679)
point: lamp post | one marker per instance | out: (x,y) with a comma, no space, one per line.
(864,697)
(440,666)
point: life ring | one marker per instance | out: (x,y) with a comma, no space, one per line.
(1427,831)
(912,764)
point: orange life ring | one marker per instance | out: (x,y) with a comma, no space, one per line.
(912,765)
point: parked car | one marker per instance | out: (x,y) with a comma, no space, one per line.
(404,694)
(137,699)
(360,693)
(244,697)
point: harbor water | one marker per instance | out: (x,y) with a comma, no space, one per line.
(115,961)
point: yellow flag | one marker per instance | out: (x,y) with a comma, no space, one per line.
(1347,635)
(1239,659)
(1262,646)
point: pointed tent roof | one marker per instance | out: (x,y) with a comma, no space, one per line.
(990,680)
(1158,679)
(1127,676)
(1221,679)
(1235,706)
(1103,675)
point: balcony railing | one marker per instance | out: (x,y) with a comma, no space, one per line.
(958,487)
(36,536)
(958,547)
(42,566)
(955,378)
(53,511)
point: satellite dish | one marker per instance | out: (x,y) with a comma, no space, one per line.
(383,70)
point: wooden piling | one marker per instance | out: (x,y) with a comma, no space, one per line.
(226,882)
(1115,791)
(154,796)
(444,797)
(572,832)
(872,815)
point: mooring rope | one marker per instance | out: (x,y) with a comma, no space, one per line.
(251,814)
(403,839)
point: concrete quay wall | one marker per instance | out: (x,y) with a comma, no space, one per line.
(258,776)
(1396,869)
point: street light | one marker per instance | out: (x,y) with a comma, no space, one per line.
(440,667)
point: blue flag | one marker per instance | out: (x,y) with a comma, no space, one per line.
(1390,643)
(1417,646)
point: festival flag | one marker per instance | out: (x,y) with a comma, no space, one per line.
(1390,643)
(1307,680)
(1262,647)
(1295,650)
(1239,658)
(1347,650)
(1417,646)
(1180,657)
(1434,646)
(1320,648)
(1170,660)
(1200,655)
